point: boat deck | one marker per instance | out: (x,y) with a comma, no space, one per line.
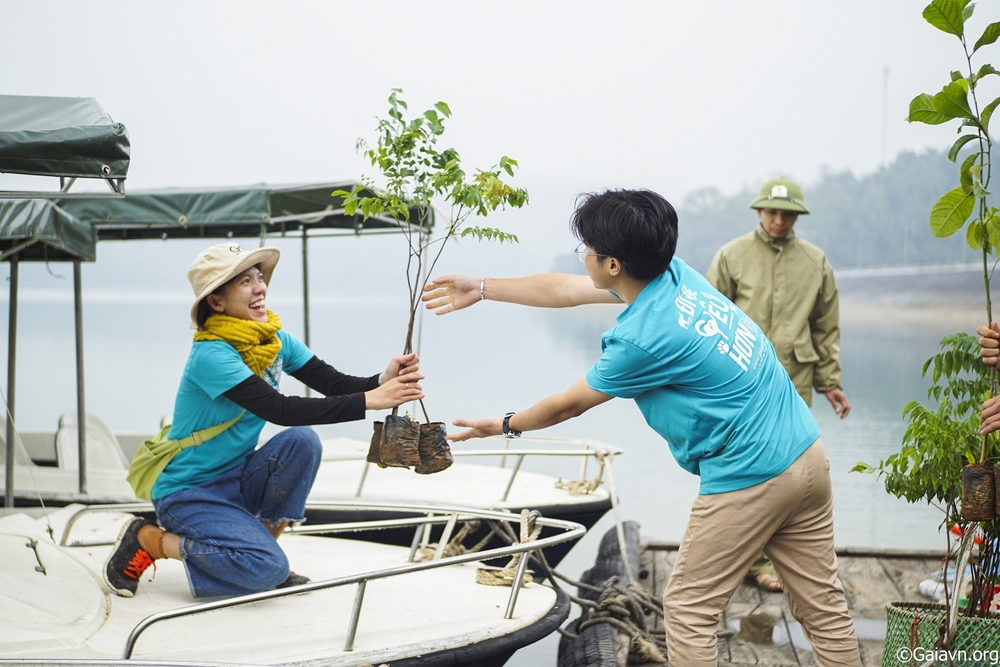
(870,578)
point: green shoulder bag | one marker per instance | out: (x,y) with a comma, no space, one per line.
(154,455)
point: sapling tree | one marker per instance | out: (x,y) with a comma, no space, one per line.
(418,178)
(938,442)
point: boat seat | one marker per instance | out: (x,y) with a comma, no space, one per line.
(20,454)
(103,450)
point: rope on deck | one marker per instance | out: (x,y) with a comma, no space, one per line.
(581,487)
(530,530)
(455,546)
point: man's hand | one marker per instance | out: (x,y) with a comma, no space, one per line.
(450,293)
(989,343)
(838,399)
(477,428)
(396,391)
(400,366)
(989,420)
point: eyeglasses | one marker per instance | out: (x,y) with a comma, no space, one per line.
(582,253)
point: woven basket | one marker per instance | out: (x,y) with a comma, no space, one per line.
(914,628)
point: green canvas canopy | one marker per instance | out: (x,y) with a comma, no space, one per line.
(252,211)
(66,137)
(37,229)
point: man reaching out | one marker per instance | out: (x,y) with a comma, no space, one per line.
(707,380)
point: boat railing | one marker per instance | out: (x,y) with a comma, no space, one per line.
(433,513)
(584,449)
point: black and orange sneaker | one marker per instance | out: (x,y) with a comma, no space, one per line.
(128,560)
(293,580)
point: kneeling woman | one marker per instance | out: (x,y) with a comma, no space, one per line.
(224,503)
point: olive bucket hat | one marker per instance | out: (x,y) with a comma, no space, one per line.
(215,266)
(783,194)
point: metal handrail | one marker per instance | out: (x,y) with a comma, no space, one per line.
(94,509)
(571,530)
(436,513)
(590,449)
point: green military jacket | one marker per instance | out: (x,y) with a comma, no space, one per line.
(787,287)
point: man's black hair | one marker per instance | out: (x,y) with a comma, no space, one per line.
(638,227)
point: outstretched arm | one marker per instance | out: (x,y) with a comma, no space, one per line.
(544,290)
(547,412)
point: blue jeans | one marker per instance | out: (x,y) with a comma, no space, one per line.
(225,546)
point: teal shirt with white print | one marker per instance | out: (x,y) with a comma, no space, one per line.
(707,380)
(213,368)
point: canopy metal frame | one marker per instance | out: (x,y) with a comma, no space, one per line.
(35,231)
(13,256)
(117,186)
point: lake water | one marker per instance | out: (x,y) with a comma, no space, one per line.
(485,361)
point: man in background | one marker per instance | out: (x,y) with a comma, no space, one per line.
(787,287)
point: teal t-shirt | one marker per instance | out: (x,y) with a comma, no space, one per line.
(213,368)
(707,380)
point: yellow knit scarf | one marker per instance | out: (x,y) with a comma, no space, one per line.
(257,342)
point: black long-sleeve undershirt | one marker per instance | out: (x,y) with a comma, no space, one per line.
(344,397)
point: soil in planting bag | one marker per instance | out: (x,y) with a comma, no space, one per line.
(435,452)
(399,444)
(978,492)
(996,476)
(373,448)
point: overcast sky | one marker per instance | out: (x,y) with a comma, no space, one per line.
(667,95)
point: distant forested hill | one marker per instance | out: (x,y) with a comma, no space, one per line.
(877,220)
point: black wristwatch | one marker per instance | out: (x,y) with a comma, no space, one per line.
(507,433)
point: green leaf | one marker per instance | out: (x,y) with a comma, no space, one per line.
(947,16)
(986,70)
(964,175)
(444,109)
(957,146)
(922,111)
(990,35)
(861,466)
(987,114)
(978,190)
(953,100)
(956,75)
(489,234)
(993,227)
(967,13)
(951,211)
(976,237)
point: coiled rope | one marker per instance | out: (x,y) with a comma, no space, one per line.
(530,531)
(626,607)
(623,607)
(581,487)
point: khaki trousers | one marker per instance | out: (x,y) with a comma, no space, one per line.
(789,518)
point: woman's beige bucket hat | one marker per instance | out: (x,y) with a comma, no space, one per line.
(215,266)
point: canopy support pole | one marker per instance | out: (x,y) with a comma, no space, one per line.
(11,356)
(305,290)
(81,413)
